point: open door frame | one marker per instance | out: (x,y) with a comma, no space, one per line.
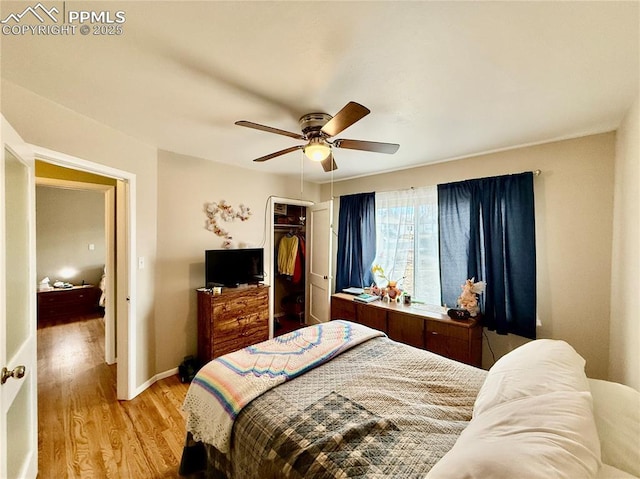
(272,255)
(110,245)
(126,278)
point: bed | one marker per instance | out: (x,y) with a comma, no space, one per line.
(367,406)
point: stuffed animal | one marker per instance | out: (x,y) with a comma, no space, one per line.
(469,298)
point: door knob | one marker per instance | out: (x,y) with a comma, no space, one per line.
(17,373)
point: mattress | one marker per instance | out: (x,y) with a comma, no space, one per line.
(381,409)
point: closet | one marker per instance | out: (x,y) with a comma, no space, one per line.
(290,266)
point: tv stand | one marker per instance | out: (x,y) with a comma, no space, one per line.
(234,319)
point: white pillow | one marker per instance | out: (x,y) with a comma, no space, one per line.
(617,414)
(537,367)
(551,435)
(610,472)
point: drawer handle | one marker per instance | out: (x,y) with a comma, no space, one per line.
(244,323)
(244,327)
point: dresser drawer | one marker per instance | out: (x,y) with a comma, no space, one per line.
(343,309)
(238,325)
(67,303)
(233,320)
(227,315)
(406,328)
(456,342)
(238,304)
(375,318)
(446,329)
(449,347)
(240,333)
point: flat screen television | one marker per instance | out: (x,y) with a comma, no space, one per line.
(233,267)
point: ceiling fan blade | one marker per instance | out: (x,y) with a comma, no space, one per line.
(278,153)
(346,117)
(374,146)
(270,129)
(329,164)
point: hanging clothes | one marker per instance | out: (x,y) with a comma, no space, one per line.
(287,253)
(298,272)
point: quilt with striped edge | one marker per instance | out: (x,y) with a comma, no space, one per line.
(224,386)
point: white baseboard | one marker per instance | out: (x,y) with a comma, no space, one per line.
(154,379)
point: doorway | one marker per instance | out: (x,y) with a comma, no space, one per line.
(75,239)
(288,292)
(76,245)
(121,278)
(289,285)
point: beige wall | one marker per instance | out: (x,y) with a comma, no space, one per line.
(574,204)
(624,345)
(170,232)
(48,125)
(186,184)
(574,211)
(67,222)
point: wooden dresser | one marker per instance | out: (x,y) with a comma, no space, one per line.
(61,303)
(232,320)
(416,326)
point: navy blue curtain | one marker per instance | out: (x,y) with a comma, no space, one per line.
(356,240)
(487,232)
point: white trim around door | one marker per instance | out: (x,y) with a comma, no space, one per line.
(127,274)
(271,253)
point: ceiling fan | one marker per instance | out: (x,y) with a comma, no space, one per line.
(318,128)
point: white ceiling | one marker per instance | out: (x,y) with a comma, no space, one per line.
(442,79)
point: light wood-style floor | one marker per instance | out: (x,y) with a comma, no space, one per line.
(83,430)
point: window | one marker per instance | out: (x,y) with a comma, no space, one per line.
(407,241)
(432,239)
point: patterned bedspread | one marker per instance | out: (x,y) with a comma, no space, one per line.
(379,410)
(224,386)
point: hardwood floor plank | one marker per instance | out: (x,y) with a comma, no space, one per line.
(84,431)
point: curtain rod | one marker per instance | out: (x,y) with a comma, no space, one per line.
(534,172)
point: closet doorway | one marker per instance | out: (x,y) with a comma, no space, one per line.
(289,265)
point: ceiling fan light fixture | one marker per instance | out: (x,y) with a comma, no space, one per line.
(317,150)
(317,129)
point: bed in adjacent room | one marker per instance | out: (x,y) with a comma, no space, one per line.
(342,400)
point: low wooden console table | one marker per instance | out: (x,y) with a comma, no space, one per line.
(60,303)
(416,326)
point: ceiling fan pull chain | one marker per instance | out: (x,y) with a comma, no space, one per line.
(301,173)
